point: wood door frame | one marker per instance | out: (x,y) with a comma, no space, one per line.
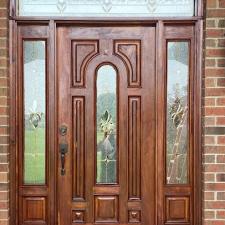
(15,101)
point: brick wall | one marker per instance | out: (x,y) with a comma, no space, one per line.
(3,113)
(214,151)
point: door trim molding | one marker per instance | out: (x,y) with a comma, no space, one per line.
(15,103)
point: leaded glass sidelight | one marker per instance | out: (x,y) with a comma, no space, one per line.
(177,112)
(106,125)
(34,112)
(106,8)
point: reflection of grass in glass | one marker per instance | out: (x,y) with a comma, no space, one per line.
(100,136)
(34,156)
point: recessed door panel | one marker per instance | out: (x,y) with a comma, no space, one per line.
(106,102)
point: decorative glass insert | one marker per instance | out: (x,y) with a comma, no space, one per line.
(106,125)
(34,112)
(106,8)
(177,112)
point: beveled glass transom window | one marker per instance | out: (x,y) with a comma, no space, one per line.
(106,8)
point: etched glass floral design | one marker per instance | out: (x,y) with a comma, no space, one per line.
(34,112)
(100,8)
(177,112)
(106,123)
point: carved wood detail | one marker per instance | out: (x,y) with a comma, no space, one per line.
(79,148)
(177,209)
(106,209)
(134,147)
(34,209)
(78,216)
(130,52)
(134,216)
(82,52)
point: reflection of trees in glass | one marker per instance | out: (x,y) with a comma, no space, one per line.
(106,138)
(177,135)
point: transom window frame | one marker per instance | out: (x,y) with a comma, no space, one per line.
(14,9)
(51,22)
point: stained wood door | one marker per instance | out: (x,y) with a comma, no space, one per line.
(106,125)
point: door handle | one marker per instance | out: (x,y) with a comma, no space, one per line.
(63,149)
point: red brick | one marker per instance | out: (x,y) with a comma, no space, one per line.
(222,3)
(215,52)
(220,101)
(214,205)
(215,168)
(220,158)
(209,121)
(211,3)
(209,140)
(209,159)
(221,62)
(214,222)
(214,33)
(220,195)
(221,43)
(215,13)
(221,140)
(210,101)
(215,72)
(214,150)
(216,111)
(210,43)
(221,82)
(220,177)
(210,62)
(220,121)
(209,214)
(215,92)
(220,214)
(209,195)
(210,23)
(210,82)
(209,177)
(3,3)
(4,196)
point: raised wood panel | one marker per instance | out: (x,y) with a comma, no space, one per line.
(78,148)
(78,216)
(177,209)
(82,52)
(134,216)
(134,147)
(106,208)
(130,52)
(34,209)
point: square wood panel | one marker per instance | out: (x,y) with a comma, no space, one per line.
(34,209)
(106,209)
(177,209)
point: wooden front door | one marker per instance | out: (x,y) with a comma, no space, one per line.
(106,125)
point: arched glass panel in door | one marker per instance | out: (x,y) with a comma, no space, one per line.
(106,124)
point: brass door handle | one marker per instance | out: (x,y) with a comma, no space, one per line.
(63,149)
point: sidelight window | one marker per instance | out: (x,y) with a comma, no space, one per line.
(177,144)
(106,8)
(106,125)
(34,83)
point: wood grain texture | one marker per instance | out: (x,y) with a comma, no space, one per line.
(82,52)
(78,148)
(134,147)
(130,53)
(61,92)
